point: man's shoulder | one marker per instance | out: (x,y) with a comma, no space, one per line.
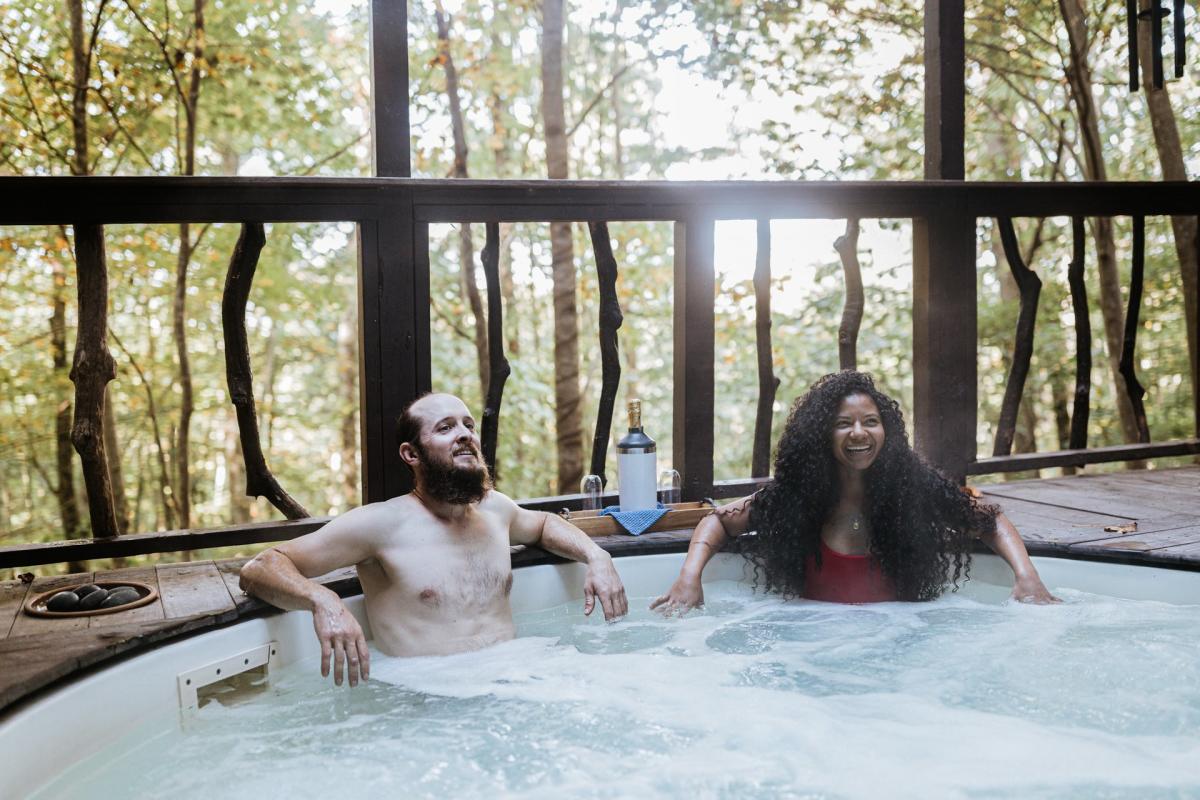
(384,514)
(498,502)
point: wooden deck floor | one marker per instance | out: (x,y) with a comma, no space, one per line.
(1150,517)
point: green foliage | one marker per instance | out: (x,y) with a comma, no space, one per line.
(284,90)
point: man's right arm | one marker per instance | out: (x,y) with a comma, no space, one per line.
(281,576)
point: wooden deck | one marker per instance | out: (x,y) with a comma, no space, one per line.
(1146,517)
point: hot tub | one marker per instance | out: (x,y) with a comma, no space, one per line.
(966,696)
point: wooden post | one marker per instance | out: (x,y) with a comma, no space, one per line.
(692,427)
(393,269)
(945,89)
(389,88)
(945,391)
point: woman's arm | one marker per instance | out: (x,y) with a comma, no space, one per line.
(1006,543)
(723,524)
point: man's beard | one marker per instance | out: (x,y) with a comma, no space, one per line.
(444,480)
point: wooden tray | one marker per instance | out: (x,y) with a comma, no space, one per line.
(36,606)
(678,516)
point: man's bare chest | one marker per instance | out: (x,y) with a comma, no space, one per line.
(449,571)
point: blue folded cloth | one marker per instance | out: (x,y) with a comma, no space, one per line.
(635,522)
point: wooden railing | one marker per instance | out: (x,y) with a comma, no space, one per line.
(393,217)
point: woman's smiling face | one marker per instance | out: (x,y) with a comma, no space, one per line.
(858,432)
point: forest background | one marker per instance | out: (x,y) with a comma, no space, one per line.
(626,89)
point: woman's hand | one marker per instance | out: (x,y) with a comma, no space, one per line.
(684,595)
(1030,589)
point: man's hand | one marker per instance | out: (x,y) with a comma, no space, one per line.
(604,583)
(342,638)
(1030,589)
(685,594)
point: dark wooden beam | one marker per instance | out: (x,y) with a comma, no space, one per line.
(393,339)
(101,200)
(945,89)
(1078,458)
(692,438)
(389,88)
(138,544)
(945,391)
(1194,334)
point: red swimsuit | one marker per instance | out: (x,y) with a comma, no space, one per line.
(846,579)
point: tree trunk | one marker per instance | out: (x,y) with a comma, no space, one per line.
(1062,414)
(348,381)
(64,488)
(239,504)
(165,519)
(91,370)
(568,414)
(191,107)
(183,493)
(1079,79)
(466,248)
(271,368)
(92,366)
(116,475)
(1170,157)
(500,159)
(1010,295)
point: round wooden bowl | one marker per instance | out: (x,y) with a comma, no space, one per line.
(36,606)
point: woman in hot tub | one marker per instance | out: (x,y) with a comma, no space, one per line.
(852,514)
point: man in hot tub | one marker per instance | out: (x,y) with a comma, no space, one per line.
(434,564)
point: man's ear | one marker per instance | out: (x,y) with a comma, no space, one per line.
(408,454)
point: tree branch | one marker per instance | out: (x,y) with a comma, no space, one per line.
(597,98)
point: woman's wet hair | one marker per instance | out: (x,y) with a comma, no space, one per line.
(922,524)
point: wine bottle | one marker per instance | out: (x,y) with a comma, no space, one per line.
(637,463)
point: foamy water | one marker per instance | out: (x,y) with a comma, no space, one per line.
(755,697)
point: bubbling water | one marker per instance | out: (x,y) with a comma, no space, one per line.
(754,697)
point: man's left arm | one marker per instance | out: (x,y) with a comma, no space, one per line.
(553,533)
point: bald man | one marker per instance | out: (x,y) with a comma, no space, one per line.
(434,564)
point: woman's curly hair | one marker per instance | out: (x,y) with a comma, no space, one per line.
(921,523)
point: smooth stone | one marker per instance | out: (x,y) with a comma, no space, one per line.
(86,589)
(63,601)
(121,596)
(93,600)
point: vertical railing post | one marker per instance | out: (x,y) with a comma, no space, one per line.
(944,313)
(692,429)
(389,89)
(945,89)
(945,391)
(393,268)
(394,353)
